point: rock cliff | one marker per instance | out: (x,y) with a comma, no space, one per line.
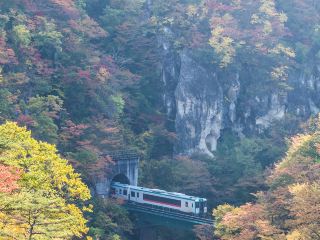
(202,102)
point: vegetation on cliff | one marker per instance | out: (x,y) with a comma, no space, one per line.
(289,208)
(85,75)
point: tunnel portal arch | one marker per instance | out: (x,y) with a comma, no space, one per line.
(124,170)
(121,178)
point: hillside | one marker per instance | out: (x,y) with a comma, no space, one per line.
(206,92)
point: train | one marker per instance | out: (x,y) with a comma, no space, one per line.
(159,198)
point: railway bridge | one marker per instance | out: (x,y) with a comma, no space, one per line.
(125,170)
(168,213)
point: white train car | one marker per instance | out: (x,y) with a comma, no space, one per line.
(159,198)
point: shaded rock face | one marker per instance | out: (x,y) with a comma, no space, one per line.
(202,103)
(170,70)
(304,100)
(275,108)
(199,108)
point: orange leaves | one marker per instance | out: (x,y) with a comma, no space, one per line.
(247,222)
(7,55)
(8,178)
(290,208)
(68,6)
(25,120)
(305,209)
(240,24)
(89,27)
(103,74)
(72,130)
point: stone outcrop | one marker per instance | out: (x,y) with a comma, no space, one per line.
(202,103)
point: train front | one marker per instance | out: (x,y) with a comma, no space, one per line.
(201,206)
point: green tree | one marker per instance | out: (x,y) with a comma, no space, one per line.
(51,197)
(22,35)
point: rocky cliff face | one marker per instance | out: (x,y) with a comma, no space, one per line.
(203,103)
(199,108)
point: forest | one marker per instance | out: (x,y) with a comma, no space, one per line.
(219,99)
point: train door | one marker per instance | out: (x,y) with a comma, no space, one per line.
(133,196)
(201,210)
(203,207)
(197,205)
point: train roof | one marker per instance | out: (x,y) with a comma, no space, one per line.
(159,191)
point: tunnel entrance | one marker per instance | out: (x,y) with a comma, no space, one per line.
(121,178)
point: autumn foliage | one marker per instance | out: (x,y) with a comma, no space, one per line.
(8,179)
(41,196)
(290,208)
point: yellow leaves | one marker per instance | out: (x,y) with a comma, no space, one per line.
(295,235)
(305,210)
(232,31)
(279,73)
(88,208)
(49,188)
(46,170)
(29,212)
(22,34)
(77,214)
(283,17)
(268,7)
(192,10)
(223,45)
(297,188)
(281,49)
(217,31)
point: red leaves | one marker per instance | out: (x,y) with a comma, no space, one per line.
(67,6)
(251,22)
(85,74)
(248,222)
(89,27)
(26,120)
(8,179)
(7,55)
(74,130)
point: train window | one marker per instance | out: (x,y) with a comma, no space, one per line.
(192,205)
(187,204)
(137,194)
(120,191)
(133,194)
(197,204)
(113,190)
(125,192)
(161,200)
